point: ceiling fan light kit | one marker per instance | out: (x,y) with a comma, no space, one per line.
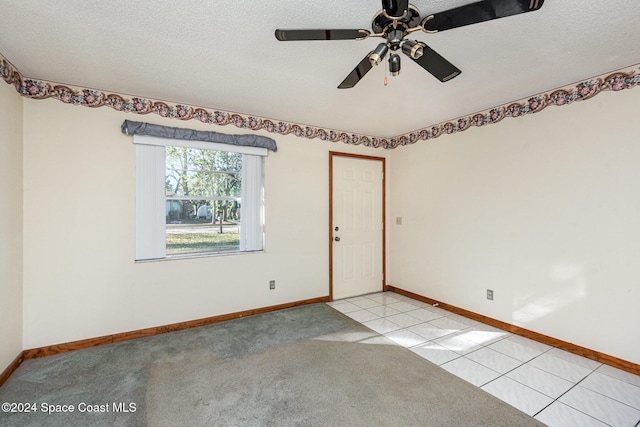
(378,54)
(397,19)
(394,64)
(412,48)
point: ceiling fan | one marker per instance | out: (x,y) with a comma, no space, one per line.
(397,19)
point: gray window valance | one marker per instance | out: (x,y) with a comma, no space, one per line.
(139,128)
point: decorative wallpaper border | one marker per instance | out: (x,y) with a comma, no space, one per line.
(41,89)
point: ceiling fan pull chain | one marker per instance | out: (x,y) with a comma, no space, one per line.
(386,82)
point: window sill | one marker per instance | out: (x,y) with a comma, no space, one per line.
(199,255)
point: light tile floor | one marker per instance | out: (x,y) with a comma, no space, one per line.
(556,387)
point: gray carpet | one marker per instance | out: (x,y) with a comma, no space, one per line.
(305,366)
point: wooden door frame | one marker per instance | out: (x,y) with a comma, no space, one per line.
(333,154)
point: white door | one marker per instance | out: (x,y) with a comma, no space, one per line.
(357,227)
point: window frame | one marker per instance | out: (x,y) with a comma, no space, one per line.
(150,209)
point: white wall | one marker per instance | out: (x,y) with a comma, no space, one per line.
(10,225)
(80,278)
(541,209)
(544,210)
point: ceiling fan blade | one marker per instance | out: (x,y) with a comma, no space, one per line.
(481,11)
(431,61)
(395,8)
(354,76)
(294,35)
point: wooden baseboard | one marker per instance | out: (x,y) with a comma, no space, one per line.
(124,336)
(4,376)
(554,342)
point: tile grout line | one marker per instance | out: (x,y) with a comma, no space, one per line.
(604,395)
(575,409)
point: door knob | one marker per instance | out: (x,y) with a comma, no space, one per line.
(337,239)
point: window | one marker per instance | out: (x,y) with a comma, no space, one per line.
(197,197)
(203,195)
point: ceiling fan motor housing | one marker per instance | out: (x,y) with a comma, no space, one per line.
(382,23)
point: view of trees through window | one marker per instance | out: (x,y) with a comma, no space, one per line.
(203,189)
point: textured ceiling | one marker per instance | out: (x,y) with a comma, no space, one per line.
(224,55)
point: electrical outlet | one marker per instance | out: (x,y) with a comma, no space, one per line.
(272,284)
(490,294)
(398,220)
